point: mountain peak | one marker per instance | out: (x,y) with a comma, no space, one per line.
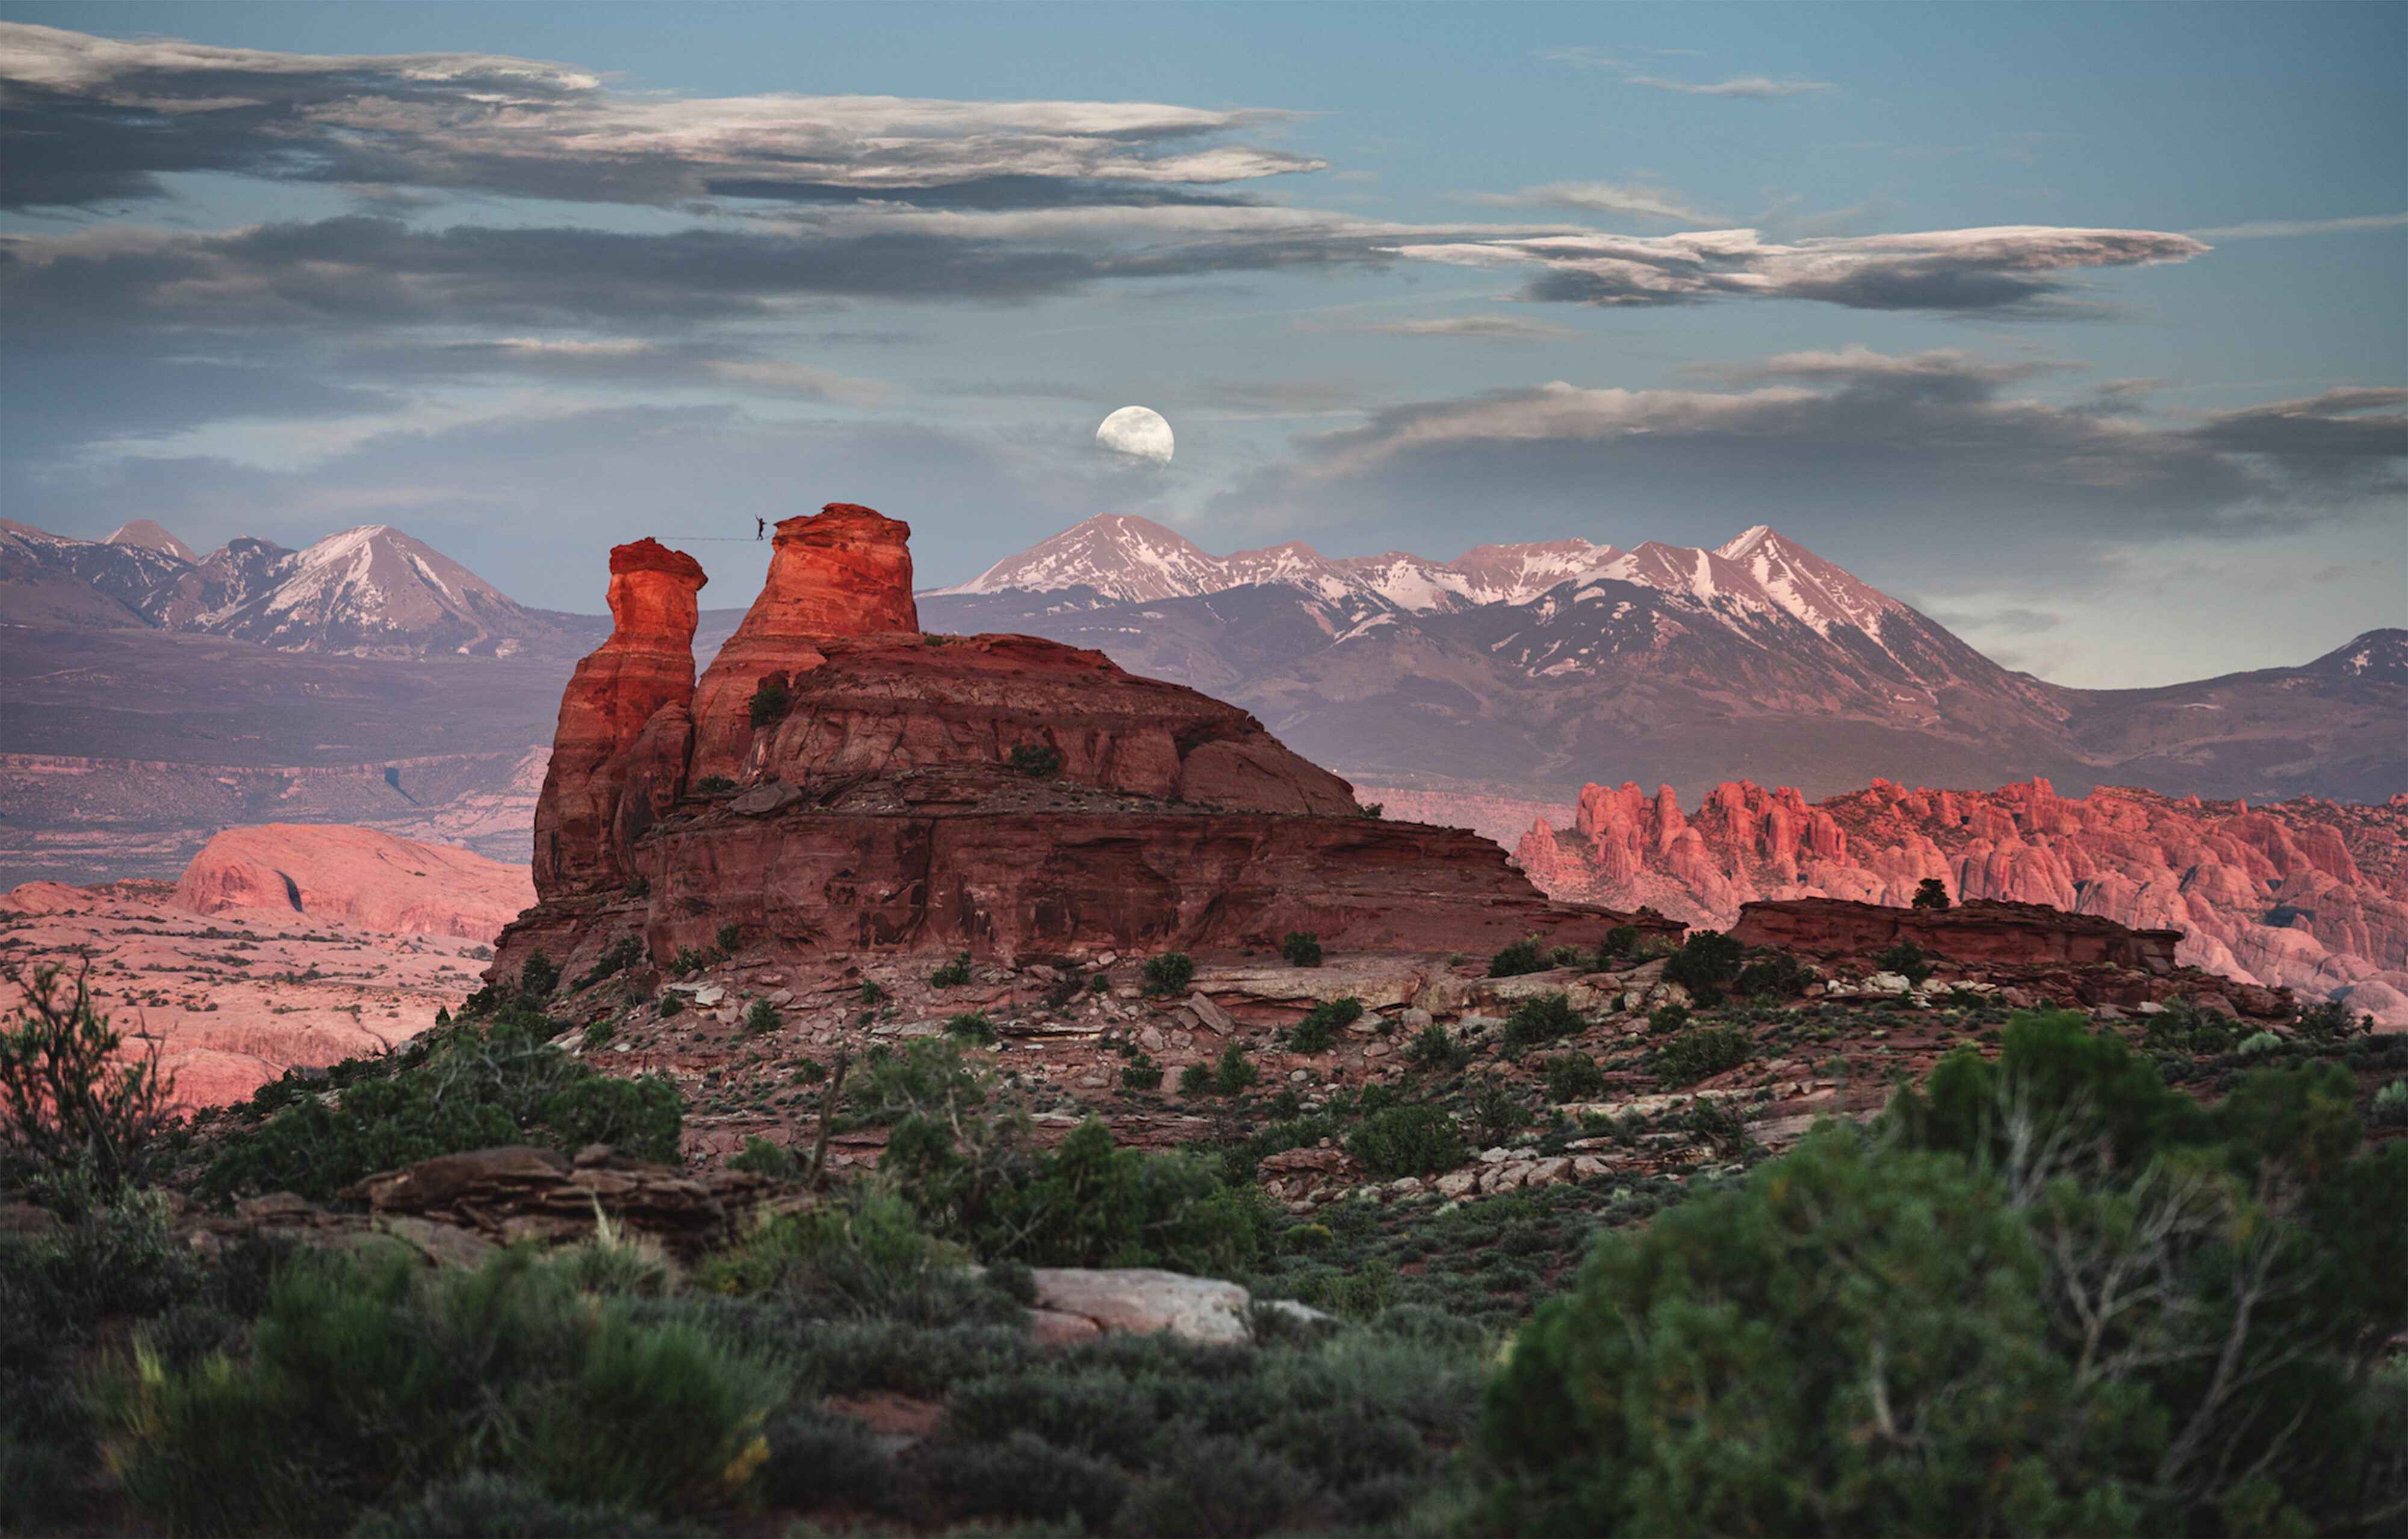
(1120,556)
(145,535)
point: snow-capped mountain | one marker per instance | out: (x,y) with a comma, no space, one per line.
(370,591)
(1524,670)
(1124,558)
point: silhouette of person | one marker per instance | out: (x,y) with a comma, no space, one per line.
(760,528)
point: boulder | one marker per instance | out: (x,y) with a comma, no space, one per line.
(1141,1300)
(518,1193)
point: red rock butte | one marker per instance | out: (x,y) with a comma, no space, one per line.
(838,780)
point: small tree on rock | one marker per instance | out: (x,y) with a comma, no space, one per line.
(1930,893)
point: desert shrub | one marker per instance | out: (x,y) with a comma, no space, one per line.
(864,1256)
(2049,1294)
(538,980)
(2330,1020)
(1575,1077)
(76,1109)
(672,1003)
(1930,893)
(1620,942)
(1778,974)
(2185,1028)
(1040,761)
(728,940)
(954,974)
(714,786)
(372,1381)
(471,1087)
(1498,1113)
(1906,959)
(1696,1054)
(928,1078)
(1234,1072)
(1301,948)
(1417,1140)
(1541,1019)
(1084,1203)
(1168,974)
(1023,1476)
(971,1026)
(1707,960)
(1318,1031)
(1433,1048)
(1666,1018)
(763,1158)
(771,699)
(616,957)
(818,1460)
(502,1506)
(1196,1080)
(2390,1107)
(2259,1044)
(1569,957)
(1522,957)
(688,961)
(761,1016)
(1142,1072)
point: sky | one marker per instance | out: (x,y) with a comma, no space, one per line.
(2082,329)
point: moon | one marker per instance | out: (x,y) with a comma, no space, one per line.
(1136,431)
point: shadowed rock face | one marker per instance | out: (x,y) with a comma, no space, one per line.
(618,759)
(1002,794)
(1978,932)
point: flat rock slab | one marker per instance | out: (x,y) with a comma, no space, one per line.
(1141,1300)
(1378,983)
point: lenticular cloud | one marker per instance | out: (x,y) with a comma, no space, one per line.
(2002,266)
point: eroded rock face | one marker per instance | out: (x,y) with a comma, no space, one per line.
(618,759)
(2307,894)
(1982,931)
(844,571)
(999,794)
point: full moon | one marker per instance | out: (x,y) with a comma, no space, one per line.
(1137,431)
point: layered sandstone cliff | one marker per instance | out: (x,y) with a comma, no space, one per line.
(838,780)
(2307,894)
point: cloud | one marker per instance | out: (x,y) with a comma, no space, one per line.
(1932,456)
(1756,88)
(92,119)
(2005,268)
(1486,328)
(2265,229)
(1640,199)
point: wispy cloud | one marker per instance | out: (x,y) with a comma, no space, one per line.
(1483,328)
(1639,199)
(2007,267)
(1756,88)
(2265,229)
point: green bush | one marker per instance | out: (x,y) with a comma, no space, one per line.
(728,940)
(714,786)
(1707,960)
(76,1111)
(1778,974)
(1234,1072)
(2330,1020)
(1318,1031)
(761,1016)
(2049,1294)
(1301,948)
(1906,959)
(1498,1113)
(1620,942)
(763,1158)
(1542,1019)
(1142,1072)
(1522,957)
(470,1087)
(1575,1077)
(1930,893)
(954,974)
(1040,761)
(1167,974)
(616,957)
(971,1026)
(487,1505)
(370,1380)
(1697,1055)
(2390,1107)
(928,1078)
(1433,1048)
(2183,1029)
(771,701)
(672,1003)
(867,1257)
(2259,1044)
(1668,1017)
(1419,1140)
(1196,1080)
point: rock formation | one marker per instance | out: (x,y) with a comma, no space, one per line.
(618,759)
(1984,930)
(398,887)
(849,783)
(2308,895)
